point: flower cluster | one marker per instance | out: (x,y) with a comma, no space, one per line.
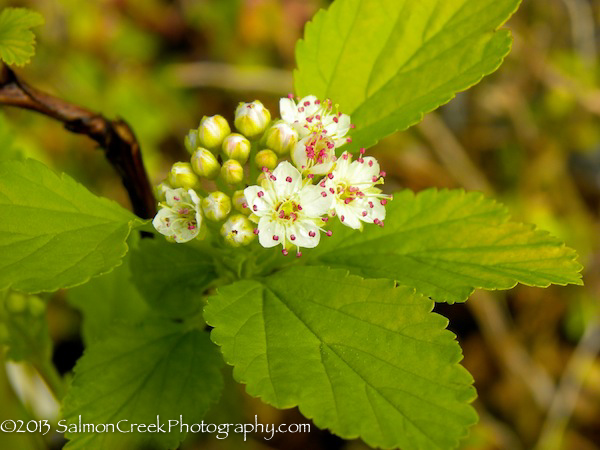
(291,202)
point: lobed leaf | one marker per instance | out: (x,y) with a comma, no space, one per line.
(388,62)
(171,277)
(447,243)
(360,357)
(139,373)
(54,233)
(17,42)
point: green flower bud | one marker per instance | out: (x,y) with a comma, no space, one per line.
(260,178)
(16,303)
(251,119)
(216,206)
(281,138)
(205,164)
(212,131)
(160,191)
(238,230)
(239,202)
(266,158)
(232,172)
(236,146)
(191,141)
(182,176)
(36,306)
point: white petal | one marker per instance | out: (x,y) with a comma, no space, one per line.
(361,173)
(287,110)
(350,215)
(258,205)
(323,168)
(301,231)
(287,180)
(343,125)
(267,228)
(176,195)
(313,203)
(298,154)
(159,222)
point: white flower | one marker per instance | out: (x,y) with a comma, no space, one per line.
(352,185)
(179,217)
(314,154)
(312,116)
(287,209)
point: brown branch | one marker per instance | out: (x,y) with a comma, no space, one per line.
(115,136)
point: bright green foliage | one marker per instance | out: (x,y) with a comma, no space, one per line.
(138,373)
(23,328)
(171,277)
(17,42)
(447,243)
(387,62)
(54,233)
(360,357)
(107,300)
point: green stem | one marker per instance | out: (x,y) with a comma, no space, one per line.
(53,379)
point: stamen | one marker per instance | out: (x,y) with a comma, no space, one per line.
(292,237)
(323,194)
(383,201)
(259,194)
(285,252)
(330,176)
(256,231)
(275,237)
(288,179)
(312,233)
(329,233)
(299,254)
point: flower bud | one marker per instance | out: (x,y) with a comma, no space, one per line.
(281,138)
(266,158)
(236,146)
(239,202)
(232,172)
(36,306)
(260,178)
(182,176)
(212,131)
(216,206)
(238,230)
(205,164)
(16,303)
(160,191)
(251,119)
(191,141)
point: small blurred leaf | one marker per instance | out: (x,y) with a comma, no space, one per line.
(138,373)
(17,42)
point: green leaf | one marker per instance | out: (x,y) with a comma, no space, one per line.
(137,374)
(387,62)
(448,243)
(108,300)
(171,277)
(17,42)
(54,233)
(359,357)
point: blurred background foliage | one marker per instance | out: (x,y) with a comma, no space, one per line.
(528,135)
